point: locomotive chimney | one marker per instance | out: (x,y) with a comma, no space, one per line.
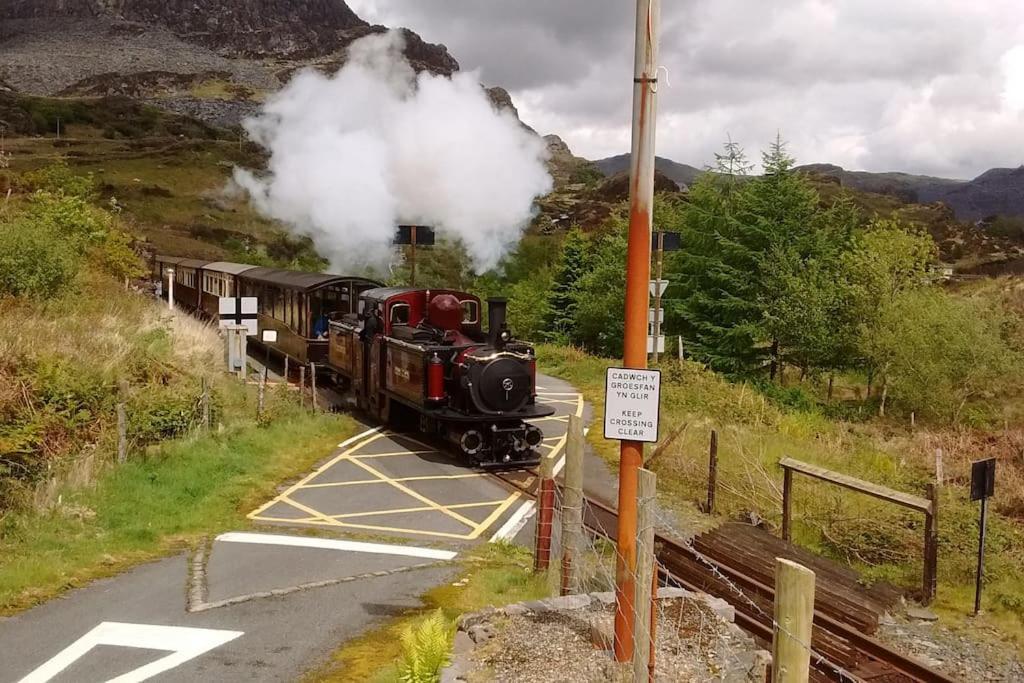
(496,309)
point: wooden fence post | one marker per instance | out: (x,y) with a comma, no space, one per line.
(572,507)
(122,433)
(787,504)
(261,395)
(646,493)
(312,381)
(545,514)
(931,546)
(205,403)
(794,615)
(712,473)
(302,386)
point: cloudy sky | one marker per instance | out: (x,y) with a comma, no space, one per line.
(924,86)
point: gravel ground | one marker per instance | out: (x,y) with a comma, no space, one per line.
(43,57)
(975,656)
(694,644)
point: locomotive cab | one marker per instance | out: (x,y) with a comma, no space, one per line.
(424,352)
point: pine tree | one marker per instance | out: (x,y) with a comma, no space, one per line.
(572,266)
(745,241)
(718,296)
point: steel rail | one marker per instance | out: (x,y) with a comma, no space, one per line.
(874,650)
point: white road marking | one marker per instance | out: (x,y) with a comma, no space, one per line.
(336,544)
(357,437)
(515,523)
(183,643)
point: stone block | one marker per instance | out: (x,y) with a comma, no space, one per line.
(602,631)
(666,592)
(462,643)
(568,602)
(536,606)
(603,598)
(481,633)
(467,621)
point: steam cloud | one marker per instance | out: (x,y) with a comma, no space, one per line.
(356,154)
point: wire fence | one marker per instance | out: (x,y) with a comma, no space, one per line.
(679,633)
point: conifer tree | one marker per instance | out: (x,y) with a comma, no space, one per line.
(572,266)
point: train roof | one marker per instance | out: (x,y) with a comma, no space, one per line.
(179,261)
(385,293)
(295,279)
(227,268)
(382,293)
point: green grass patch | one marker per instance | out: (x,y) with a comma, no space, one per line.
(495,574)
(154,505)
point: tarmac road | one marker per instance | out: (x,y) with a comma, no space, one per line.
(269,603)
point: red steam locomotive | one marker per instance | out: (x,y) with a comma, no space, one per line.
(422,354)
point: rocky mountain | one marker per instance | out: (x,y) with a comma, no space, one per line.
(683,174)
(999,191)
(214,60)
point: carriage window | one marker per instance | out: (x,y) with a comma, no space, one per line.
(400,314)
(470,312)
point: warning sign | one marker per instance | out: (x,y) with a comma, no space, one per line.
(631,404)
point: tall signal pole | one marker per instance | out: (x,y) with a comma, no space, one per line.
(638,275)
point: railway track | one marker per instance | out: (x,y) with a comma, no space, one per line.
(841,651)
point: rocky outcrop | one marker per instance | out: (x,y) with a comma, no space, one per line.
(289,28)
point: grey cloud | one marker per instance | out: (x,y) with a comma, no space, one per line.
(912,85)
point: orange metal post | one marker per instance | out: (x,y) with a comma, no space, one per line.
(638,275)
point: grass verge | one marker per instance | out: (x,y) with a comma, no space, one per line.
(881,541)
(151,506)
(495,574)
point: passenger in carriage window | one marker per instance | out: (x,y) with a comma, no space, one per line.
(321,327)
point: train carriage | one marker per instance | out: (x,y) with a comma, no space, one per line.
(424,353)
(300,306)
(219,280)
(187,280)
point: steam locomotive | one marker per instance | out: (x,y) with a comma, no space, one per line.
(422,354)
(409,355)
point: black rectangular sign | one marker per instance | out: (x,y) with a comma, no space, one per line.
(671,241)
(983,479)
(419,235)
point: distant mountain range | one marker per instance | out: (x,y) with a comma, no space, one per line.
(683,174)
(997,192)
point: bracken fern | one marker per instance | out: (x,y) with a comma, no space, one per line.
(425,650)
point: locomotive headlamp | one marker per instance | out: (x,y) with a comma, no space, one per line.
(505,336)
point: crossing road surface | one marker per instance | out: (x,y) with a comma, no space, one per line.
(352,543)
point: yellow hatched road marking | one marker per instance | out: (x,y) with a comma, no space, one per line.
(408,491)
(372,434)
(493,517)
(460,506)
(370,456)
(475,475)
(308,510)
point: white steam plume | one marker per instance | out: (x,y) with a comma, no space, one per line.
(356,154)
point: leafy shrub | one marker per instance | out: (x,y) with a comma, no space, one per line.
(790,397)
(153,416)
(58,178)
(425,650)
(35,262)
